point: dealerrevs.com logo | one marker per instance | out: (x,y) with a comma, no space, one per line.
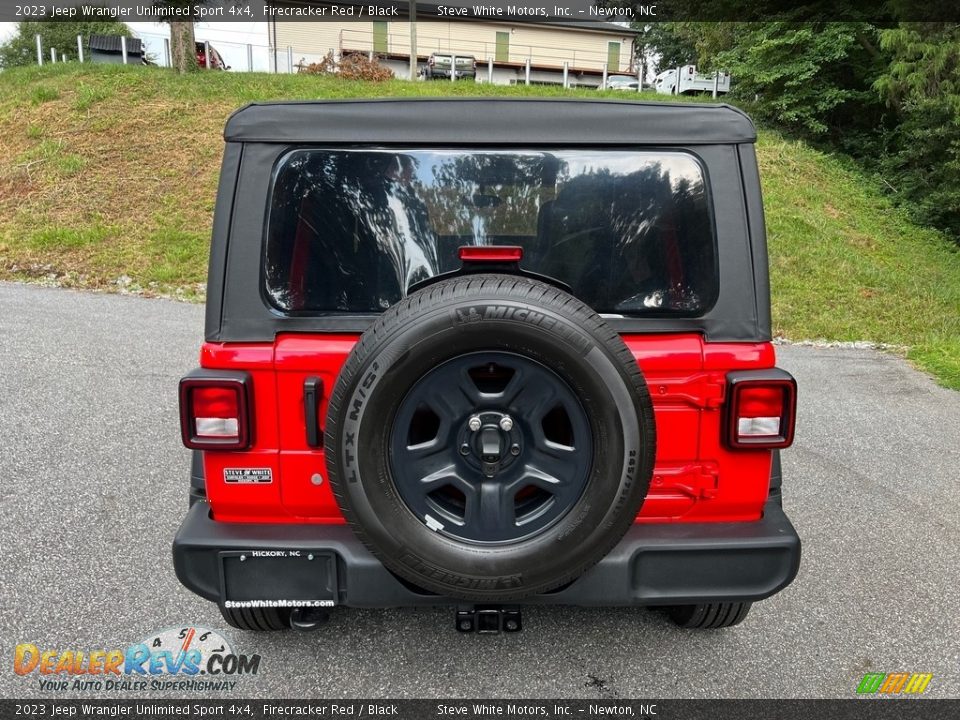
(187,659)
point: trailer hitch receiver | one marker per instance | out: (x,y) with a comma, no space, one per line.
(489,619)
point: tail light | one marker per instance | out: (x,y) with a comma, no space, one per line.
(215,411)
(761,409)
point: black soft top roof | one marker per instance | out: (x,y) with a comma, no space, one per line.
(490,121)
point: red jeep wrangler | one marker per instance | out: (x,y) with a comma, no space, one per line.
(485,353)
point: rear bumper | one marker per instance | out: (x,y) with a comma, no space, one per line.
(664,564)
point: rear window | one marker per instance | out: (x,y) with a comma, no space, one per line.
(631,232)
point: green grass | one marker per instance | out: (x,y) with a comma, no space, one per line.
(59,238)
(52,154)
(110,172)
(939,356)
(238,88)
(180,256)
(846,265)
(43,93)
(87,95)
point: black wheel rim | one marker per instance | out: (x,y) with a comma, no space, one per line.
(490,447)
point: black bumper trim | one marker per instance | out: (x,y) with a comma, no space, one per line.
(662,564)
(198,484)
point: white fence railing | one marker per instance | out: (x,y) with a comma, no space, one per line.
(516,63)
(596,59)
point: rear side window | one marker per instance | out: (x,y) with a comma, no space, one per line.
(631,232)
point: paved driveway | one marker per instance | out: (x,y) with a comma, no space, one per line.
(94,486)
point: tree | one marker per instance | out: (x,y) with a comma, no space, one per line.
(886,93)
(662,47)
(922,86)
(21,49)
(925,63)
(812,78)
(183,51)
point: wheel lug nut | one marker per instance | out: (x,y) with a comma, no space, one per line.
(464,449)
(514,449)
(506,423)
(474,423)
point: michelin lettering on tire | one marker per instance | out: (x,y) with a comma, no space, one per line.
(479,313)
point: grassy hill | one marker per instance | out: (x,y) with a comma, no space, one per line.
(108,175)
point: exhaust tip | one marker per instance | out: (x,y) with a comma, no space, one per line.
(308,619)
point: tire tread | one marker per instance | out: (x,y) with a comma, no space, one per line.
(256,619)
(709,616)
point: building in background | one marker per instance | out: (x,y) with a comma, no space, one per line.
(502,48)
(109,49)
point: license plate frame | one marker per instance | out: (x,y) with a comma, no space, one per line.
(278,578)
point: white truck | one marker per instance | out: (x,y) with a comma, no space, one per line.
(686,79)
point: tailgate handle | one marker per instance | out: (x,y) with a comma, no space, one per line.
(312,392)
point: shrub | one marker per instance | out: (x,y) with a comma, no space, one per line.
(351,67)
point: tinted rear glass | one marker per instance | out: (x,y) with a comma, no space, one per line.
(630,232)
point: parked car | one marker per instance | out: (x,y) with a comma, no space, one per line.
(463,353)
(438,66)
(687,81)
(620,82)
(216,61)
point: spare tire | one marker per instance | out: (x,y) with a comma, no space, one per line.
(490,438)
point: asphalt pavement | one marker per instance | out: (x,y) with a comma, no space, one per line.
(94,484)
